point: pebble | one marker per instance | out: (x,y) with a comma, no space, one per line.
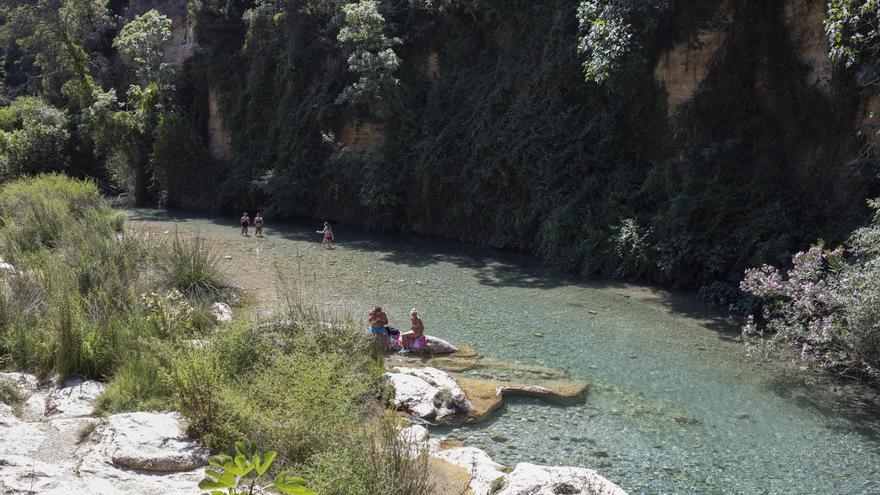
(498,437)
(742,415)
(538,334)
(599,453)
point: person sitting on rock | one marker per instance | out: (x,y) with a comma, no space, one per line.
(418,330)
(378,321)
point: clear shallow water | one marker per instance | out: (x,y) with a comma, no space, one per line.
(675,406)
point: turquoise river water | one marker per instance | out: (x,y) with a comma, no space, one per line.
(675,405)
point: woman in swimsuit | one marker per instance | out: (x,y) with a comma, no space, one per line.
(328,235)
(418,329)
(245,221)
(258,225)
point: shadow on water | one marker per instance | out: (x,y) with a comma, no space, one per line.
(849,407)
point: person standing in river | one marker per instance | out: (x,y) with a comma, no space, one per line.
(258,225)
(328,235)
(245,222)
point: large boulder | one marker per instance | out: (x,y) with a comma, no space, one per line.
(75,397)
(428,393)
(483,470)
(433,345)
(436,345)
(531,479)
(151,442)
(142,453)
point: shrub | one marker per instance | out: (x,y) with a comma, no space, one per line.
(193,268)
(827,304)
(33,138)
(35,211)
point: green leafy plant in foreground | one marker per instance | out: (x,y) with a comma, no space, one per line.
(233,475)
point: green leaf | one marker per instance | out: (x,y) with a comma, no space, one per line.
(268,458)
(291,485)
(220,460)
(213,480)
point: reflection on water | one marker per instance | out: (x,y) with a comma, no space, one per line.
(675,405)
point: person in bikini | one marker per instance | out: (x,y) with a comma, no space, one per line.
(245,221)
(418,330)
(258,225)
(328,235)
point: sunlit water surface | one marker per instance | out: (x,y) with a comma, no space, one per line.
(675,404)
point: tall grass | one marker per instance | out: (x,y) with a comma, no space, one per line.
(193,268)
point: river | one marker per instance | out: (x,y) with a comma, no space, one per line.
(675,405)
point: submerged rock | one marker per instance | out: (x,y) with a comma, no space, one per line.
(221,312)
(531,479)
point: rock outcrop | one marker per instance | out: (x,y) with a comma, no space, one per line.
(483,471)
(55,447)
(428,393)
(531,479)
(75,397)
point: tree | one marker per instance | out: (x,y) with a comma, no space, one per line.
(143,40)
(55,43)
(853,29)
(372,57)
(611,33)
(33,138)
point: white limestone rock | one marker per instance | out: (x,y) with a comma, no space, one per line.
(75,397)
(20,438)
(436,345)
(26,475)
(428,393)
(483,470)
(413,394)
(531,479)
(150,442)
(26,383)
(414,439)
(221,312)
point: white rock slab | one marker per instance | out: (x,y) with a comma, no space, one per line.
(75,397)
(531,479)
(483,470)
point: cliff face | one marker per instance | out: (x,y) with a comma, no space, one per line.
(736,145)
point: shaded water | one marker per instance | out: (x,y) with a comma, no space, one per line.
(675,405)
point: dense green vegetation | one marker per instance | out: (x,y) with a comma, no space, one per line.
(91,299)
(535,126)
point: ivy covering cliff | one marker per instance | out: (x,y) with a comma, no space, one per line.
(535,126)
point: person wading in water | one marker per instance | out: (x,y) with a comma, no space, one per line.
(328,235)
(258,225)
(245,221)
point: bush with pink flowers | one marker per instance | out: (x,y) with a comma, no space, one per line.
(827,304)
